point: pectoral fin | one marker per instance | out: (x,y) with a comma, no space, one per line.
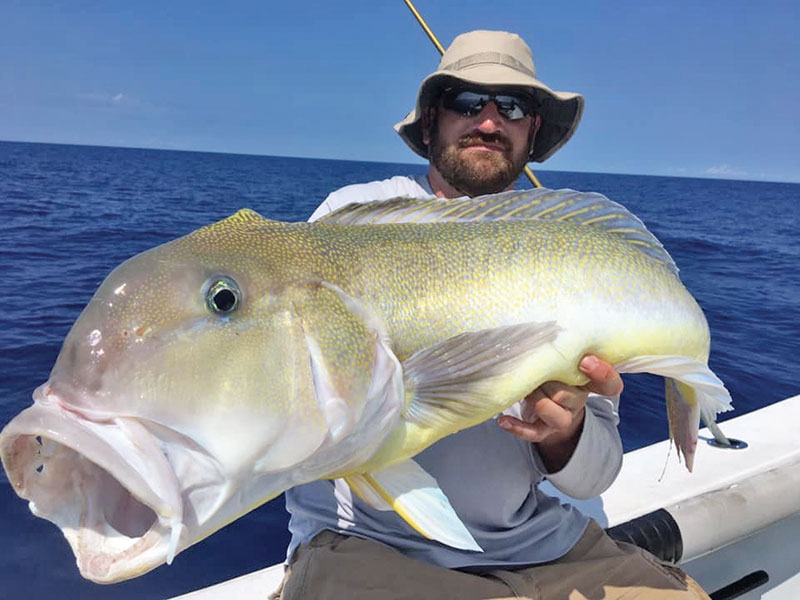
(456,381)
(416,497)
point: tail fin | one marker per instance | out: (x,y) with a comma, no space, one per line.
(692,391)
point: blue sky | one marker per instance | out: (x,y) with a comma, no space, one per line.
(706,89)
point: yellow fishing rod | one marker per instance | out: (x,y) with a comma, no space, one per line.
(440,48)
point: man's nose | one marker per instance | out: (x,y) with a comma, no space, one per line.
(489,119)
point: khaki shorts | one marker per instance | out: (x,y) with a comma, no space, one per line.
(338,567)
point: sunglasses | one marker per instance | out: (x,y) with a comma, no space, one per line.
(468,103)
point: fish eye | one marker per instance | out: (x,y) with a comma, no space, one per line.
(223,296)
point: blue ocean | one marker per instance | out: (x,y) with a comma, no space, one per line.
(72,213)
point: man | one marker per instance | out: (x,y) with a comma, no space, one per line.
(479,119)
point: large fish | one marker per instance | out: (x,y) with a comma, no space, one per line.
(210,374)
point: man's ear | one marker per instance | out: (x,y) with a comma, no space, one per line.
(428,117)
(536,124)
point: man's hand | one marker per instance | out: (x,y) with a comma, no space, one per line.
(553,414)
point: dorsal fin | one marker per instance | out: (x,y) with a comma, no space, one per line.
(242,219)
(244,215)
(584,208)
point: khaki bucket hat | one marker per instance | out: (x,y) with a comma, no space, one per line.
(496,59)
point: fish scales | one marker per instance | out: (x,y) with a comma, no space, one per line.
(433,281)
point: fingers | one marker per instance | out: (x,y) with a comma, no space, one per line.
(555,410)
(604,380)
(531,432)
(552,408)
(559,405)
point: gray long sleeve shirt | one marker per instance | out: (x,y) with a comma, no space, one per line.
(490,476)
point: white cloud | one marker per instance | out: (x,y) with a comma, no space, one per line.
(120,101)
(101,99)
(725,170)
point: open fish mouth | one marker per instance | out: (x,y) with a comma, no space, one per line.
(106,483)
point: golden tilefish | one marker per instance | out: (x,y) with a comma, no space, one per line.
(208,375)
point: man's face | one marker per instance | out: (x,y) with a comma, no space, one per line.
(479,154)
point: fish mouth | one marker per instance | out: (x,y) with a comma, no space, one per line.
(106,483)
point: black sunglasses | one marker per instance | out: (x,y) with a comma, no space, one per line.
(468,103)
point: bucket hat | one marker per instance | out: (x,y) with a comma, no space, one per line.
(496,59)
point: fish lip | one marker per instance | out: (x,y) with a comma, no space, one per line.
(89,469)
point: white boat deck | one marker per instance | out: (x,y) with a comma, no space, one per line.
(652,477)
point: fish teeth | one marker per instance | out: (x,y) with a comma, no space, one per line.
(176,528)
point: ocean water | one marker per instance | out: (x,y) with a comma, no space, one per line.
(69,214)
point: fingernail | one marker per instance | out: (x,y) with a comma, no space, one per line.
(588,363)
(504,424)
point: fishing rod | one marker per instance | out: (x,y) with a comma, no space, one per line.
(440,48)
(719,437)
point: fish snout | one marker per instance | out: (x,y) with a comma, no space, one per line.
(90,361)
(82,363)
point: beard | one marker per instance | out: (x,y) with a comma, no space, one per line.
(477,173)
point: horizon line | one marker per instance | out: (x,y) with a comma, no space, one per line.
(352,160)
